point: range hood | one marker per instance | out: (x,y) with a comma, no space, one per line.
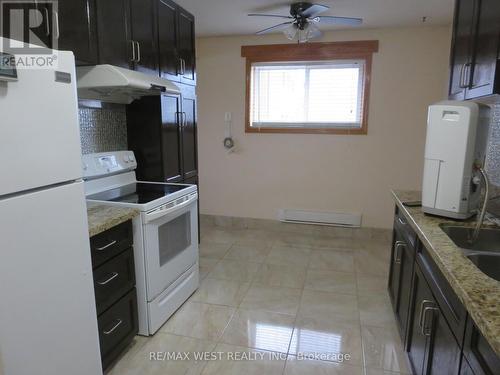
(112,84)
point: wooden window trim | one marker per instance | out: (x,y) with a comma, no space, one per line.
(358,50)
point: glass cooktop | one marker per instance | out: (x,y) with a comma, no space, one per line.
(138,192)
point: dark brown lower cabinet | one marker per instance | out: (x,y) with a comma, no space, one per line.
(115,293)
(465,368)
(480,356)
(400,277)
(437,333)
(117,327)
(432,347)
(401,272)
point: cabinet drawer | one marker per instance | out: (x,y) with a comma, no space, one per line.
(113,279)
(402,225)
(450,305)
(117,327)
(107,244)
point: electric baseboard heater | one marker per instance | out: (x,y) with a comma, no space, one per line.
(339,219)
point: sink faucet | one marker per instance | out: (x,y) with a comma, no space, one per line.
(482,212)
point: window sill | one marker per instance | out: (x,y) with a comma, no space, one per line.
(345,131)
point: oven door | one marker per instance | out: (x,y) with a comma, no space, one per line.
(171,242)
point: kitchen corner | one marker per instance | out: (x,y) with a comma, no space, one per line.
(478,293)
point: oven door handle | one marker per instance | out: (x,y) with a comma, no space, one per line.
(162,212)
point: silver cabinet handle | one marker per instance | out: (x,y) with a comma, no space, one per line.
(423,306)
(183,66)
(427,331)
(397,257)
(133,51)
(402,221)
(113,276)
(106,246)
(112,329)
(468,83)
(463,76)
(56,19)
(184,119)
(138,52)
(47,27)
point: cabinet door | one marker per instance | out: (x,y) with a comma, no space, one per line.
(417,339)
(113,25)
(189,134)
(465,369)
(395,269)
(480,355)
(167,40)
(45,18)
(77,30)
(144,137)
(143,22)
(486,47)
(171,137)
(462,47)
(186,46)
(407,265)
(444,352)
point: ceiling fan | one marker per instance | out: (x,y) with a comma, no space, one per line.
(303,21)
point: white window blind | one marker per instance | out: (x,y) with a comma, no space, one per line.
(307,94)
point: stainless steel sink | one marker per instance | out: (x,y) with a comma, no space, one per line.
(484,252)
(487,242)
(487,263)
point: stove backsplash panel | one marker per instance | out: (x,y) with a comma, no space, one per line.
(103,129)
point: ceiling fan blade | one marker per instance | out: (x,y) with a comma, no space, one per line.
(332,20)
(314,10)
(280,27)
(268,15)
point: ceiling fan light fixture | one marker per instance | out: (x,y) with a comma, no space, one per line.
(291,31)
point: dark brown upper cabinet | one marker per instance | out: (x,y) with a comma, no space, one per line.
(69,26)
(189,134)
(76,29)
(144,36)
(475,66)
(114,33)
(127,33)
(186,46)
(176,40)
(162,133)
(167,40)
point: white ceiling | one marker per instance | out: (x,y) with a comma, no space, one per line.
(226,17)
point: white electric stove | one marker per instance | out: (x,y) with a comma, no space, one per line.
(165,232)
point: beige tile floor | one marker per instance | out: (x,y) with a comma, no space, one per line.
(274,298)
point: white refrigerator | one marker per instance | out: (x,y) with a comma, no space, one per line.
(48,322)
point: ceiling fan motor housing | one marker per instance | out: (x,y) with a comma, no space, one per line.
(296,9)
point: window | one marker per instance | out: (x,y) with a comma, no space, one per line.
(305,90)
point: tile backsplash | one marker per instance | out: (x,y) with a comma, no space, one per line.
(493,154)
(103,129)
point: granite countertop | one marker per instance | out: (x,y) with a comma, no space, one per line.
(102,218)
(479,293)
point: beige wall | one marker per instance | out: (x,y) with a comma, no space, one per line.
(320,172)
